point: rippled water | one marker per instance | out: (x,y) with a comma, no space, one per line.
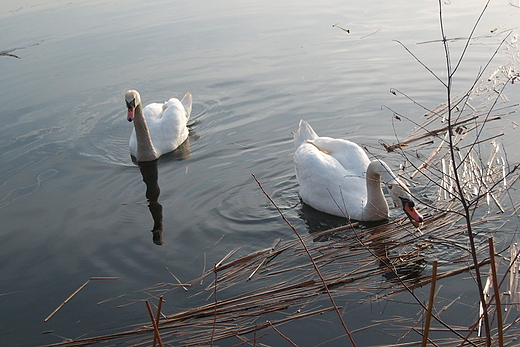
(73,204)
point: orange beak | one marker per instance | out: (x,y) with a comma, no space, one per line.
(414,216)
(130,116)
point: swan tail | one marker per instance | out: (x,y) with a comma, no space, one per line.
(305,133)
(187,102)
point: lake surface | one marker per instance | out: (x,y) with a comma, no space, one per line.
(73,204)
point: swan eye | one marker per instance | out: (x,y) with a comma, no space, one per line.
(390,186)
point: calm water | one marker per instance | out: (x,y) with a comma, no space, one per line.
(73,204)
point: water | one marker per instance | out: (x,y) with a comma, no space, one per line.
(73,204)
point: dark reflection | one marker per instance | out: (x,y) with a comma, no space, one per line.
(394,268)
(318,221)
(397,269)
(150,174)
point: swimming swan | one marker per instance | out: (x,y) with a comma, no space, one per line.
(336,177)
(158,128)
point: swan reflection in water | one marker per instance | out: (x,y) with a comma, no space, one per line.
(150,174)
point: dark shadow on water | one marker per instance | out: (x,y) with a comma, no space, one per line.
(318,222)
(396,269)
(150,173)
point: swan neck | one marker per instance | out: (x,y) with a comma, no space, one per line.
(145,149)
(376,204)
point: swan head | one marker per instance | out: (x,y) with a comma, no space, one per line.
(402,198)
(399,192)
(132,99)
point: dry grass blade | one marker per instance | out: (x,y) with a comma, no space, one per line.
(178,281)
(265,259)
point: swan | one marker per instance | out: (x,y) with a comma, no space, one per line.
(158,128)
(337,177)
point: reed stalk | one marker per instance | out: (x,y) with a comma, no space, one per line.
(430,305)
(157,335)
(496,289)
(157,318)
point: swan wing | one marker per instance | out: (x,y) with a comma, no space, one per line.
(326,185)
(167,125)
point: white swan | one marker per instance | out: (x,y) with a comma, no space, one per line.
(336,177)
(158,128)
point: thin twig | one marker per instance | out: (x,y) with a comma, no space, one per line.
(311,259)
(282,335)
(457,179)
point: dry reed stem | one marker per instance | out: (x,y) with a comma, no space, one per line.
(430,305)
(157,318)
(66,300)
(110,299)
(216,304)
(157,335)
(178,281)
(76,292)
(265,259)
(496,289)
